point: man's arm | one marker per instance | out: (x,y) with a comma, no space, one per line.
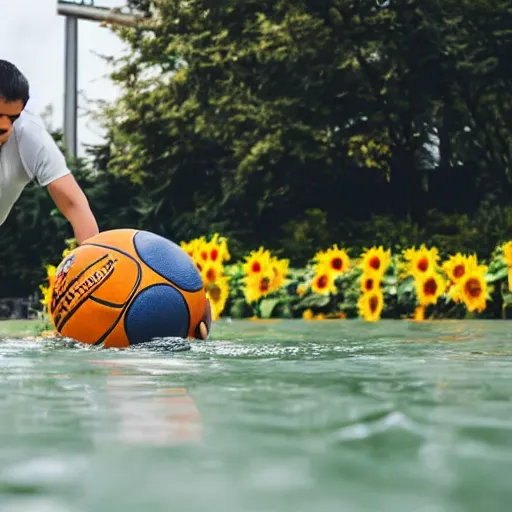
(73,204)
(45,164)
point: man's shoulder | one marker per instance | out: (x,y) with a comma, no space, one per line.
(28,123)
(39,153)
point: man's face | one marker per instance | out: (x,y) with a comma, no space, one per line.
(9,112)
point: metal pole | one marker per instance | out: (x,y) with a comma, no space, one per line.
(71,86)
(73,11)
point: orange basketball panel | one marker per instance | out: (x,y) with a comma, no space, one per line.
(117,338)
(91,323)
(196,302)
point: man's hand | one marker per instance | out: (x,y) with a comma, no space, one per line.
(73,204)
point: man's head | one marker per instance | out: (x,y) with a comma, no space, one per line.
(14,94)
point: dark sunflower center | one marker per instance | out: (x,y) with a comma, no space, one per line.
(264,284)
(473,288)
(322,281)
(430,286)
(374,303)
(459,271)
(211,274)
(214,292)
(423,264)
(337,263)
(375,263)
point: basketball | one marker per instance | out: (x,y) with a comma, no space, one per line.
(125,287)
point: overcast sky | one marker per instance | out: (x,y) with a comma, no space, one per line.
(33,38)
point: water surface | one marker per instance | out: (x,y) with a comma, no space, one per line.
(277,416)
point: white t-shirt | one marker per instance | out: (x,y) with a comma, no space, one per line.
(30,154)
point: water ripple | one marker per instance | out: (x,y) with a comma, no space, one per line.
(270,416)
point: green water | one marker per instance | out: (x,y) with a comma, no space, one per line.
(267,416)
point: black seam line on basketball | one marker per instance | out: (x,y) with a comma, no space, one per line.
(156,271)
(84,297)
(113,305)
(152,286)
(77,277)
(101,339)
(109,247)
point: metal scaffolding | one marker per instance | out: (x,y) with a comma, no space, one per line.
(73,11)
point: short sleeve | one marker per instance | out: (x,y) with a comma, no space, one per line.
(41,157)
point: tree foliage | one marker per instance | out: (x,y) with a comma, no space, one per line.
(297,124)
(246,115)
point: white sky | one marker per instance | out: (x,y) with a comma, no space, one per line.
(33,39)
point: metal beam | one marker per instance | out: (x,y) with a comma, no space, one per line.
(100,14)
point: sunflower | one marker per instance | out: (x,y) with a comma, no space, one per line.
(323,281)
(257,286)
(217,294)
(202,254)
(46,290)
(72,244)
(335,258)
(421,261)
(429,287)
(370,305)
(507,253)
(280,271)
(51,271)
(472,289)
(369,282)
(191,247)
(419,314)
(195,249)
(217,249)
(375,261)
(308,314)
(211,272)
(458,265)
(258,263)
(301,289)
(47,295)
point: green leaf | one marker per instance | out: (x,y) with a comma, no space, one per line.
(240,309)
(314,301)
(406,286)
(267,307)
(500,274)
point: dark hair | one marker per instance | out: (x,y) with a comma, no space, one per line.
(13,83)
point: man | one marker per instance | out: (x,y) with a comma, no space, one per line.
(29,153)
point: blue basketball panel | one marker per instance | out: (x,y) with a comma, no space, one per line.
(168,260)
(157,311)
